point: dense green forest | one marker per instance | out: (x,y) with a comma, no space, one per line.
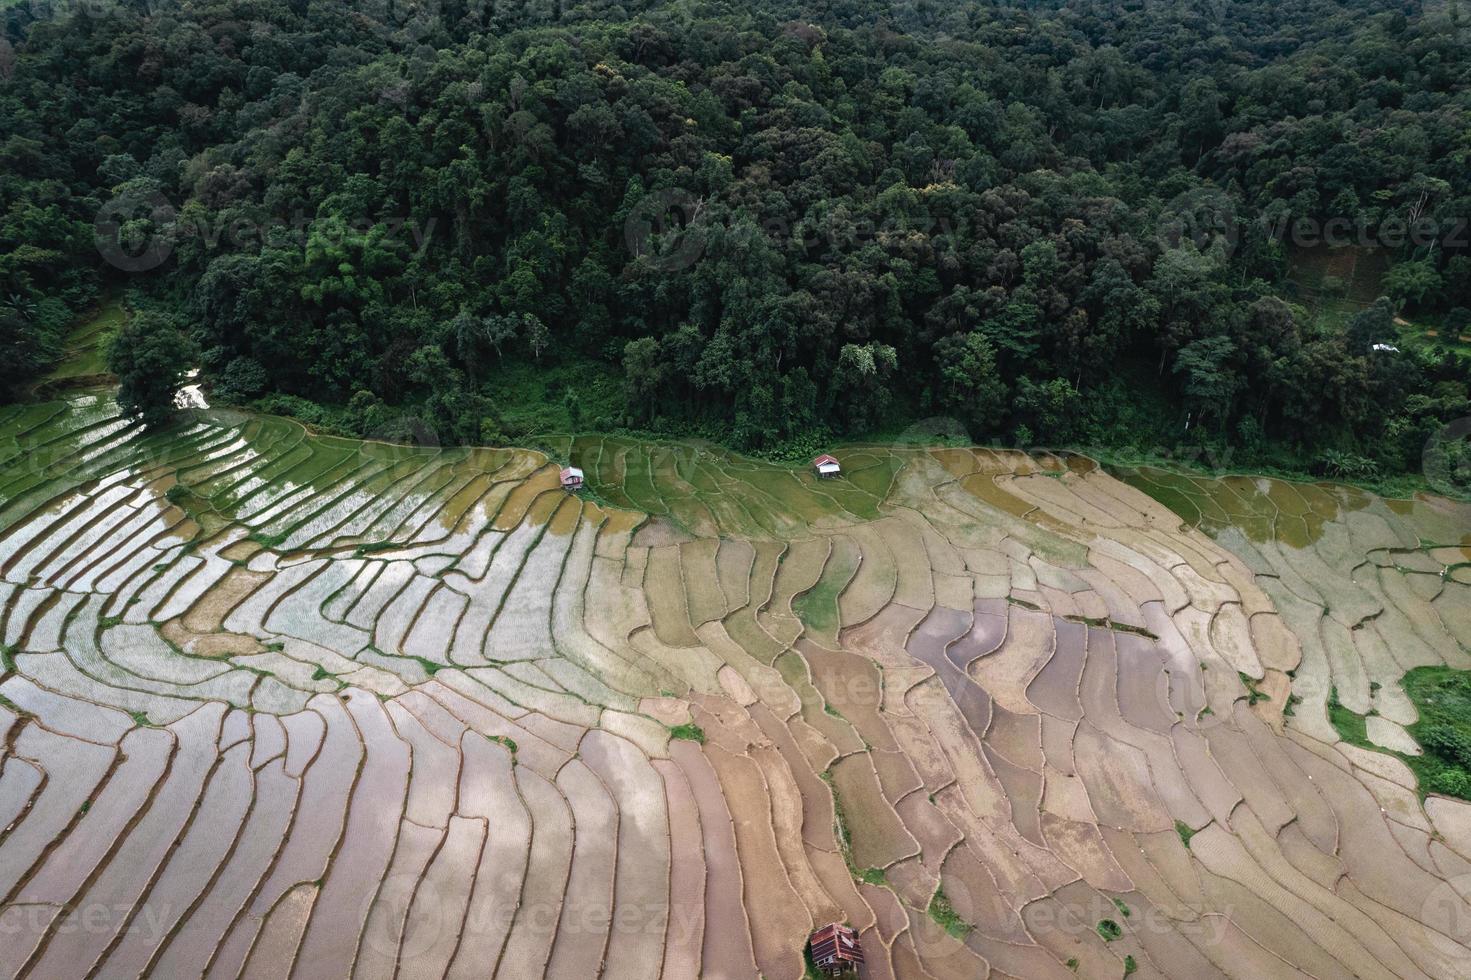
(762,221)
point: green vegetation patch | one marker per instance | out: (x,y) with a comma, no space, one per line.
(82,355)
(1442,697)
(270,542)
(1435,338)
(1183,829)
(817,608)
(1253,695)
(1351,726)
(945,915)
(1110,930)
(532,397)
(505,740)
(1105,623)
(430,667)
(688,731)
(871,876)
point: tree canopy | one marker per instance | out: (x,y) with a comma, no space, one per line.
(150,356)
(1054,221)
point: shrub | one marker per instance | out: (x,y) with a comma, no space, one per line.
(1452,782)
(243,379)
(688,731)
(945,915)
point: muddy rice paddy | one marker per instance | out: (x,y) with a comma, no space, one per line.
(276,704)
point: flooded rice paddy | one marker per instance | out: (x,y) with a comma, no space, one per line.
(277,704)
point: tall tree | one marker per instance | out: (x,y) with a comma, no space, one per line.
(150,356)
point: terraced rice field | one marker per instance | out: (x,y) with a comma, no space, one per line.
(284,705)
(82,357)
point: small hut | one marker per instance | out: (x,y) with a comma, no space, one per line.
(835,950)
(826,466)
(571,478)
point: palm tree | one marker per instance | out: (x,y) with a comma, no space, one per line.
(21,306)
